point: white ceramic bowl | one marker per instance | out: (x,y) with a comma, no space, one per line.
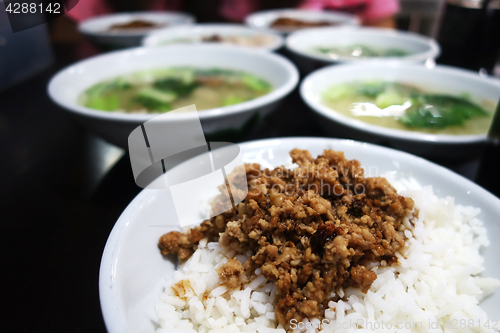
(195,33)
(302,43)
(69,83)
(264,19)
(439,79)
(133,271)
(97,28)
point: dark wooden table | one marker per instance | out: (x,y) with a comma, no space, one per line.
(62,189)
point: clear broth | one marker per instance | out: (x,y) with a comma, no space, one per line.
(345,98)
(168,89)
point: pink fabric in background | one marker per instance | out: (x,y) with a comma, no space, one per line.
(85,9)
(236,10)
(379,9)
(89,8)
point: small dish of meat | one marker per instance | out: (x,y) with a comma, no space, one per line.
(122,30)
(289,20)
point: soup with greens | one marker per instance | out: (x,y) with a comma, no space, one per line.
(359,51)
(405,107)
(257,41)
(168,89)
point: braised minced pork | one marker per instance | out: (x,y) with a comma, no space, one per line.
(311,230)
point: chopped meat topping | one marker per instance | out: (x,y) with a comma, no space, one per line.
(363,277)
(310,230)
(231,273)
(183,244)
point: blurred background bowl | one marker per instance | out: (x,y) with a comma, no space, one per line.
(98,29)
(199,33)
(302,44)
(439,79)
(264,19)
(67,85)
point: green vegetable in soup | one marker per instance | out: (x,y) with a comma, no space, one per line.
(360,51)
(372,89)
(163,90)
(255,83)
(388,98)
(230,100)
(155,99)
(402,106)
(176,86)
(104,96)
(440,111)
(106,103)
(393,52)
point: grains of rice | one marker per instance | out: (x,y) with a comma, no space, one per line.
(436,282)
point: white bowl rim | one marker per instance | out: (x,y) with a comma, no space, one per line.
(266,99)
(432,52)
(152,37)
(333,14)
(329,113)
(111,311)
(326,14)
(84,27)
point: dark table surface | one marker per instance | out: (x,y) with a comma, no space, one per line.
(63,188)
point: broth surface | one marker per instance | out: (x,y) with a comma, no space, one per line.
(409,108)
(359,51)
(168,89)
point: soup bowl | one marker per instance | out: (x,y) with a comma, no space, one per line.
(269,41)
(98,29)
(437,79)
(67,85)
(302,45)
(265,19)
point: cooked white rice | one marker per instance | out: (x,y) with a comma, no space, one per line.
(435,287)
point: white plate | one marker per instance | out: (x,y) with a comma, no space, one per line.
(438,79)
(133,271)
(264,19)
(97,28)
(195,33)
